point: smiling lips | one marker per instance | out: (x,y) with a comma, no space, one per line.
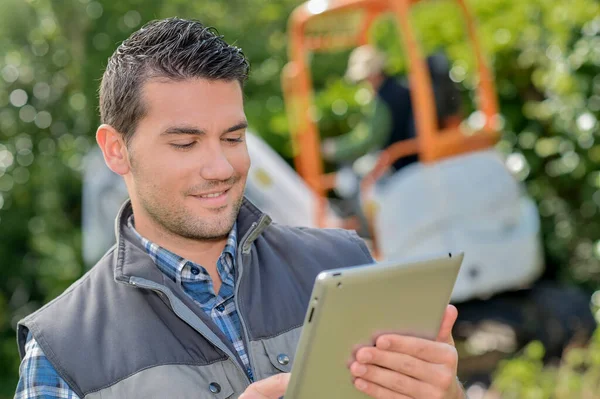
(212,195)
(214,199)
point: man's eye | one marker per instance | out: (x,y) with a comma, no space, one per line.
(233,140)
(183,146)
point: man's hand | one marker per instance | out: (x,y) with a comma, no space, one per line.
(403,367)
(270,388)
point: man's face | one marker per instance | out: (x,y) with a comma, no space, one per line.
(188,157)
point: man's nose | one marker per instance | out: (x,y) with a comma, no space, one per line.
(216,166)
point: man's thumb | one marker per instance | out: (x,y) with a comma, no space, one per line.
(445,334)
(270,388)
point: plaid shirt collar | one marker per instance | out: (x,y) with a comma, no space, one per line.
(182,270)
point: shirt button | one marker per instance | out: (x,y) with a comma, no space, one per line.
(283,359)
(221,308)
(195,271)
(214,387)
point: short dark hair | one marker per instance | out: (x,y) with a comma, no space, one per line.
(171,48)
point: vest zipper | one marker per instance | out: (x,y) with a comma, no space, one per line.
(256,226)
(143,283)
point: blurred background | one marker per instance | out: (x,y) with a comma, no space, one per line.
(545,59)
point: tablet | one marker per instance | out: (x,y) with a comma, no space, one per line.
(350,307)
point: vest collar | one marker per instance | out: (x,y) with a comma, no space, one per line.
(132,260)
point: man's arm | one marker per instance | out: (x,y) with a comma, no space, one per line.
(38,378)
(363,138)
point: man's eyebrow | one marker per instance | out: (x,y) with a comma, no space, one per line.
(237,126)
(195,131)
(182,130)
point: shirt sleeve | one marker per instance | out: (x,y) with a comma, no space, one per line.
(368,135)
(38,378)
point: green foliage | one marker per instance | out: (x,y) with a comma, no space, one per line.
(525,377)
(545,54)
(577,376)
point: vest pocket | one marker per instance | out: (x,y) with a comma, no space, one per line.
(219,386)
(280,356)
(275,355)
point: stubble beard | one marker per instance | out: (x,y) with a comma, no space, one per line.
(181,223)
(178,221)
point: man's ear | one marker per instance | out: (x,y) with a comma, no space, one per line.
(113,148)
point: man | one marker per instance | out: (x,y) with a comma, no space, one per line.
(201,296)
(392,117)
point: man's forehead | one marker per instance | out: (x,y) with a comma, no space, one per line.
(197,90)
(193,102)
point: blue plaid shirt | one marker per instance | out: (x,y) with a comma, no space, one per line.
(39,379)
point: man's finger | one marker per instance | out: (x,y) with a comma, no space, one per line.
(424,349)
(377,391)
(401,363)
(272,387)
(392,380)
(445,334)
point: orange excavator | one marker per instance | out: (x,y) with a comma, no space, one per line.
(459,196)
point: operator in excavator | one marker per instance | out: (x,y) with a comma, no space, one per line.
(391,118)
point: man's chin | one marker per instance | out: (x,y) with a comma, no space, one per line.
(205,228)
(208,212)
(217,219)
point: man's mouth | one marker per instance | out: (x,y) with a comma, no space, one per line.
(212,195)
(214,198)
